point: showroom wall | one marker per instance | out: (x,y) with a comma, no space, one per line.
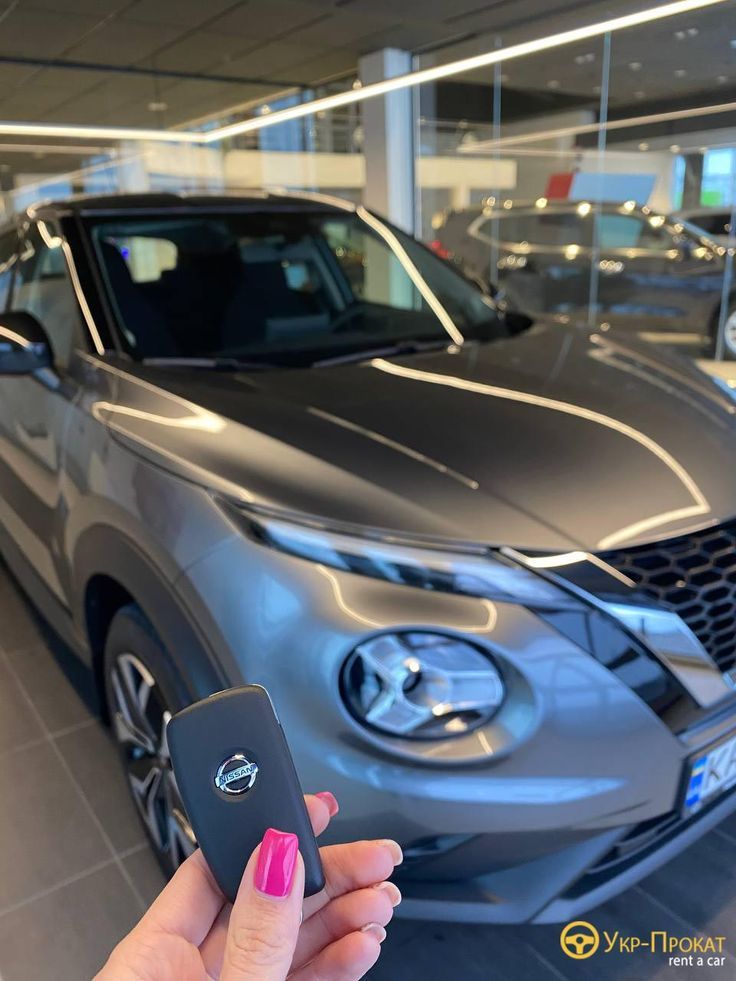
(643,117)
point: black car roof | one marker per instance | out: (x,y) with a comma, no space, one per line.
(105,203)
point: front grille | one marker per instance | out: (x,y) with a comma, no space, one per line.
(694,575)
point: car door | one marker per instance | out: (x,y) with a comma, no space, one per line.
(35,410)
(542,258)
(651,276)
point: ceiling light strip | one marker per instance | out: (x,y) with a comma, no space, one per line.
(459,67)
(70,131)
(631,122)
(411,79)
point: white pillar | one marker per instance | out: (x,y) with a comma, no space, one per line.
(388,140)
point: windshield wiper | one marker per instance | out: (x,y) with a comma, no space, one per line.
(390,350)
(214,364)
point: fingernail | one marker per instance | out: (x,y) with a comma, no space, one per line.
(276,863)
(394,894)
(375,930)
(332,806)
(395,849)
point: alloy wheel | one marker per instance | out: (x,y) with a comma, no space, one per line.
(139,717)
(729,332)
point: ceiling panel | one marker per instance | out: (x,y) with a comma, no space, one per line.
(408,36)
(271,59)
(123,41)
(97,8)
(38,33)
(266,20)
(187,13)
(198,51)
(324,66)
(348,27)
(66,81)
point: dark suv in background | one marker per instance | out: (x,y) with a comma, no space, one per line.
(654,272)
(488,578)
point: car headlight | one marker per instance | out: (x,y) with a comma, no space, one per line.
(405,560)
(421,685)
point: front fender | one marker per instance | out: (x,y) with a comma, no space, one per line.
(103,551)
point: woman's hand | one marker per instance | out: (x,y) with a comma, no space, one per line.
(191,934)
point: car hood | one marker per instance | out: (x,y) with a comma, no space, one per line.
(554,439)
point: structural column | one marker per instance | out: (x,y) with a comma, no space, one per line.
(388,140)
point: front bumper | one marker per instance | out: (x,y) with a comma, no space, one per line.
(513,837)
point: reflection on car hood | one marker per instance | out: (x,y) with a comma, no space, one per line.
(553,439)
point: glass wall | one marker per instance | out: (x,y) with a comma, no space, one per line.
(595,182)
(592,183)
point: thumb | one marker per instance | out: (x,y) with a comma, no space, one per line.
(265,920)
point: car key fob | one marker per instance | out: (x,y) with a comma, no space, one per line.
(236,778)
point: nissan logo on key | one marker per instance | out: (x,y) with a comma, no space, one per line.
(236,774)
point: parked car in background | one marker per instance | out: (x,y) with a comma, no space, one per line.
(713,222)
(654,273)
(488,579)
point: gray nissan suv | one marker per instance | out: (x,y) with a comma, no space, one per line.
(487,574)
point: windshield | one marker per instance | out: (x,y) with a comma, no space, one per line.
(282,287)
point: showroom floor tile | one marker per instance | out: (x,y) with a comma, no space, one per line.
(74,866)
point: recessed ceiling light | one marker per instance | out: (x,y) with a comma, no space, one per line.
(722,79)
(683,35)
(635,66)
(643,146)
(357,84)
(157,106)
(702,149)
(553,84)
(503,78)
(585,59)
(639,94)
(680,72)
(675,148)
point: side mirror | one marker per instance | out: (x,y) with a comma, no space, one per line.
(24,344)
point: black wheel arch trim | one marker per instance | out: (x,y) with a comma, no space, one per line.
(103,551)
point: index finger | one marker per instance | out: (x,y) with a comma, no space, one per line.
(353,866)
(319,813)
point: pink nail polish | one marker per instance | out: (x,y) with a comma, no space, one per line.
(332,806)
(276,863)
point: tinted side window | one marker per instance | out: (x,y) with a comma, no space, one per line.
(42,287)
(632,232)
(717,224)
(8,255)
(555,229)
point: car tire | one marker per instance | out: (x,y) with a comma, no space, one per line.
(143,691)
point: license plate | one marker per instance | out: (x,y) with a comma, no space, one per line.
(711,773)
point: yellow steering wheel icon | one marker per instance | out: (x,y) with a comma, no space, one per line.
(579,940)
